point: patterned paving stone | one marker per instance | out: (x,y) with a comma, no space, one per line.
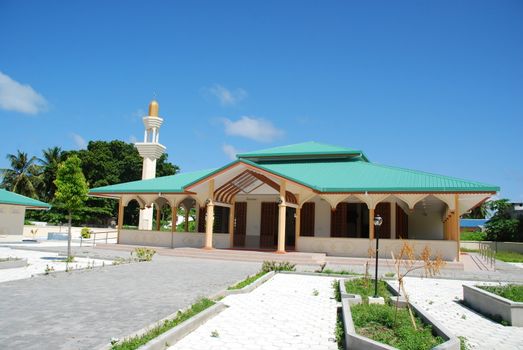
(286,312)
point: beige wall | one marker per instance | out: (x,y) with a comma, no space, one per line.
(165,239)
(11,219)
(358,247)
(427,226)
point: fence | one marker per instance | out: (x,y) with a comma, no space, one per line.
(487,253)
(106,235)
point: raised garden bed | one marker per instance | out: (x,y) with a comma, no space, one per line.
(11,263)
(492,302)
(371,326)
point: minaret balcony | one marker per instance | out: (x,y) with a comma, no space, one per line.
(150,150)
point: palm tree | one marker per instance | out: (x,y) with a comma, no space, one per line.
(52,157)
(24,175)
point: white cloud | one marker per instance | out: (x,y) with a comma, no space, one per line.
(230,151)
(79,140)
(253,128)
(227,97)
(19,97)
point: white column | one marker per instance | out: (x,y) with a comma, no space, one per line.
(393,220)
(281,219)
(209,219)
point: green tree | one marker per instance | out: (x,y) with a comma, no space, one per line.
(479,212)
(501,226)
(24,175)
(51,159)
(71,191)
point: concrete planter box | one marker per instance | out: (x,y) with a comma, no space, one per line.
(13,263)
(354,341)
(493,306)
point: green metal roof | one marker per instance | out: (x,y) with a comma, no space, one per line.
(303,150)
(323,168)
(7,197)
(355,175)
(166,184)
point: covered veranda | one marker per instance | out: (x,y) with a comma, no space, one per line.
(243,206)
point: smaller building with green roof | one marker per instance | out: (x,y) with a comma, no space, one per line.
(12,211)
(309,197)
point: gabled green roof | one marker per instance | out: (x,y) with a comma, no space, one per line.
(165,184)
(7,197)
(355,175)
(323,168)
(303,150)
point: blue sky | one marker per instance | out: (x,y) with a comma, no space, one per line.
(428,85)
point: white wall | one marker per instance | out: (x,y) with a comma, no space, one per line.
(358,247)
(322,219)
(423,226)
(12,219)
(166,239)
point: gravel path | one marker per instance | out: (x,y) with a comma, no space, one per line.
(286,312)
(84,309)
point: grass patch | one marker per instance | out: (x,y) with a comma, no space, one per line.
(512,292)
(380,323)
(342,272)
(247,281)
(509,256)
(467,250)
(136,342)
(365,288)
(473,236)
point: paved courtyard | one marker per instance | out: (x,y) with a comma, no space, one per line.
(440,298)
(286,312)
(84,309)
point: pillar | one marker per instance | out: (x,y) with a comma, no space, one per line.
(456,222)
(281,218)
(174,218)
(120,219)
(371,223)
(231,225)
(209,219)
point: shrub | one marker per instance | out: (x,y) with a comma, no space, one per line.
(268,266)
(144,254)
(86,232)
(512,292)
(473,236)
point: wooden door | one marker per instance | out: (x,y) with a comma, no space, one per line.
(269,225)
(240,223)
(307,219)
(383,210)
(402,223)
(201,219)
(339,222)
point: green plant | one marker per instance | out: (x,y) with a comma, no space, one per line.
(71,191)
(339,332)
(341,272)
(501,226)
(143,253)
(473,236)
(48,269)
(247,281)
(215,334)
(509,256)
(336,287)
(85,233)
(315,292)
(268,266)
(69,259)
(512,292)
(384,324)
(463,344)
(361,287)
(135,342)
(390,274)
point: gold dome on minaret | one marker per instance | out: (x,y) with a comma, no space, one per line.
(153,108)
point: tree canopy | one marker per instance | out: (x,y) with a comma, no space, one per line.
(102,163)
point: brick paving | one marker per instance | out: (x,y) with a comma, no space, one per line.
(286,312)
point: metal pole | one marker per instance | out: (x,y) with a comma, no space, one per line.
(94,238)
(377,253)
(106,233)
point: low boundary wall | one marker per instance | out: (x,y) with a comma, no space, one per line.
(171,239)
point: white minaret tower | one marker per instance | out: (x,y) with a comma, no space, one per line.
(150,150)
